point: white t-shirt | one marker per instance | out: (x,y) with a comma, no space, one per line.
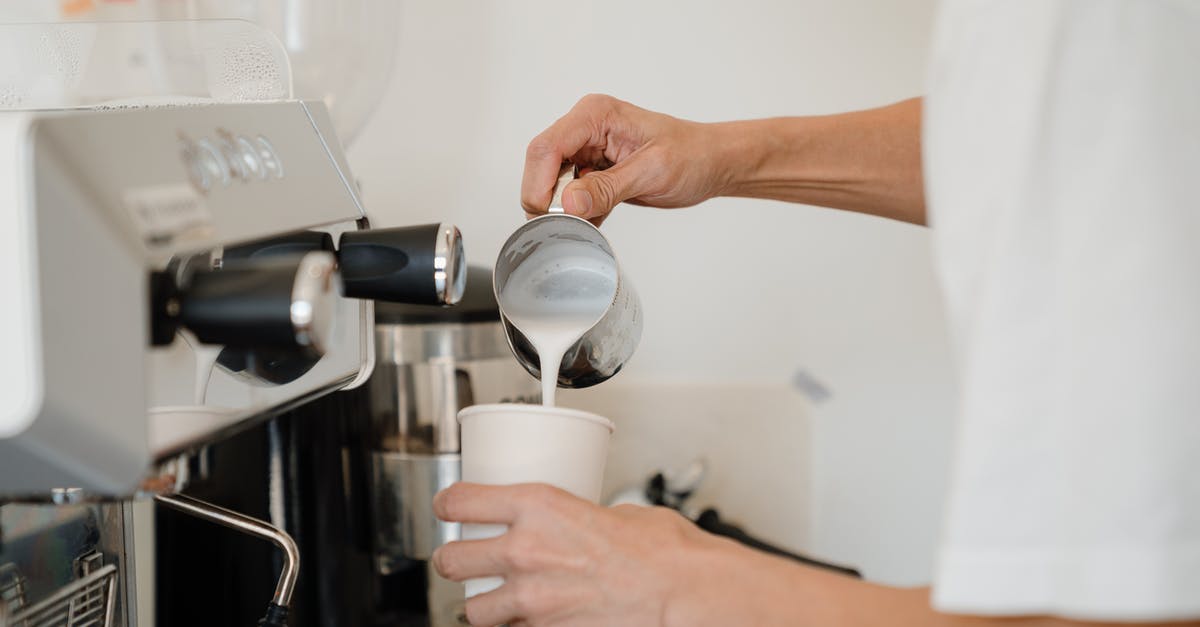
(1062,152)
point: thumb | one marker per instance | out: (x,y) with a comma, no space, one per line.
(593,195)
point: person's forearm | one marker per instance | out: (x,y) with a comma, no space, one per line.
(865,161)
(727,584)
(865,604)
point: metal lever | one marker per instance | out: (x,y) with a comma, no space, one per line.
(252,526)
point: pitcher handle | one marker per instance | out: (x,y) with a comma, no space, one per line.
(567,174)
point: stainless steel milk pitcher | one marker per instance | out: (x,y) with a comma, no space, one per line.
(608,344)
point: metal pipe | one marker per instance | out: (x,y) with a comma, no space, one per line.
(111,605)
(248,525)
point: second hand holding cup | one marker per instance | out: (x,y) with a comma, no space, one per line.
(509,443)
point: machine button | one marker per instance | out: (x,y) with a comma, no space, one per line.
(213,162)
(197,173)
(233,159)
(269,158)
(252,165)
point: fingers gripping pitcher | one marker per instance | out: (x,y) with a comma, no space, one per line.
(570,315)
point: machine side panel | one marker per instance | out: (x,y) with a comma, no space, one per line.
(94,323)
(20,364)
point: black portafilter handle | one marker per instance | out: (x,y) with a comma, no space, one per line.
(417,265)
(281,302)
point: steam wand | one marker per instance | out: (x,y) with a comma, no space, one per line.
(277,611)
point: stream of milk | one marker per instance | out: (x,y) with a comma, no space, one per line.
(556,295)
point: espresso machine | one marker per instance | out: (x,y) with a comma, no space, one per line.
(192,276)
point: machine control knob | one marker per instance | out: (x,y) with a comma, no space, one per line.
(419,265)
(279,302)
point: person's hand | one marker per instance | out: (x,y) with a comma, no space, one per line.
(567,562)
(624,153)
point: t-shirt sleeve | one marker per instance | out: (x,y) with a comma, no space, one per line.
(1062,145)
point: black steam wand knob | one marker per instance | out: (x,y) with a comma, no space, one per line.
(280,302)
(419,265)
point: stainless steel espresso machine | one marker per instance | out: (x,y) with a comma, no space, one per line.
(190,279)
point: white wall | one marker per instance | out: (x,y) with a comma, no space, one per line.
(738,294)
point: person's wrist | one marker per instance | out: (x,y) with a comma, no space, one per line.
(741,151)
(696,587)
(678,575)
(679,603)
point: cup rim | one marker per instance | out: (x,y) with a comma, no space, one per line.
(565,412)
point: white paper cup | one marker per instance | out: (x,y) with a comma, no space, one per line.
(510,443)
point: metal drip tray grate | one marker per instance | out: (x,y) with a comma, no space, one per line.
(12,589)
(86,602)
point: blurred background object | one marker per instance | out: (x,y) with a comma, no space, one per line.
(118,64)
(340,52)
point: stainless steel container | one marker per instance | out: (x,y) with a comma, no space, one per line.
(405,525)
(609,343)
(431,362)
